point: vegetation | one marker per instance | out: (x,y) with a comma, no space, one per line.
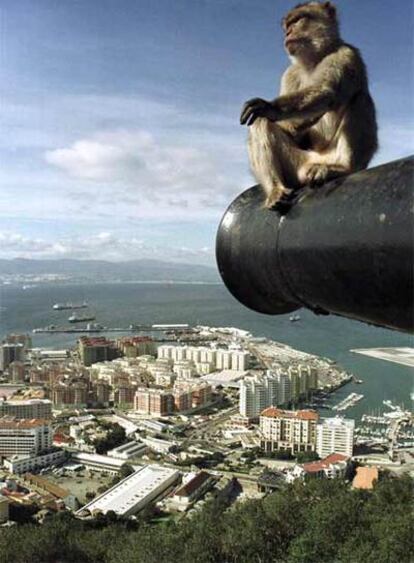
(306,457)
(115,436)
(321,521)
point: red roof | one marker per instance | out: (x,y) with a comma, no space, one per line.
(317,466)
(273,412)
(193,484)
(95,341)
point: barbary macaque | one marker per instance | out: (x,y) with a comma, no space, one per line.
(323,124)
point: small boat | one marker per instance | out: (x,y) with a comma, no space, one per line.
(294,318)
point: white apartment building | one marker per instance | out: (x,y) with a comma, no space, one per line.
(204,368)
(303,379)
(26,463)
(236,360)
(32,408)
(208,355)
(289,431)
(258,392)
(24,437)
(184,369)
(335,435)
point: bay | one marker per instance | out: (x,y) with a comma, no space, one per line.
(122,304)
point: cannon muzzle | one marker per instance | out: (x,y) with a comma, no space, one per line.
(345,248)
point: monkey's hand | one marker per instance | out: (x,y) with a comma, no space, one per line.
(256,107)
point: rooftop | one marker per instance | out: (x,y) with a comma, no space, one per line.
(130,491)
(22,402)
(97,458)
(95,341)
(317,466)
(273,412)
(338,421)
(11,423)
(193,484)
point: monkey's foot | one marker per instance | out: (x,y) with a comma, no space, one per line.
(277,194)
(287,201)
(317,174)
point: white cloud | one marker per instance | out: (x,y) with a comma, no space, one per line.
(137,169)
(102,246)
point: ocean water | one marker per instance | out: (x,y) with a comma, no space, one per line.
(121,304)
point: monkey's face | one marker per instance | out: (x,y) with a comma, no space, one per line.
(310,29)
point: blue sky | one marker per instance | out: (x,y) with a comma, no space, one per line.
(120,117)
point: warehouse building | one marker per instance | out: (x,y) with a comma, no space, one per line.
(128,450)
(98,462)
(134,493)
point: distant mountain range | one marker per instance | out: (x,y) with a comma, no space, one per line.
(101,270)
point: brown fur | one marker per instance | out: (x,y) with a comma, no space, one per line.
(323,123)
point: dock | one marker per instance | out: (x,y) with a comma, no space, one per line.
(98,328)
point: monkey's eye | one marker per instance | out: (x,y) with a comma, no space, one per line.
(294,21)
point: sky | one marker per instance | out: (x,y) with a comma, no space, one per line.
(120,118)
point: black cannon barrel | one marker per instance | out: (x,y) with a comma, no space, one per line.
(345,248)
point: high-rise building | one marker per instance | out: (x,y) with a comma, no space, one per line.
(261,391)
(183,399)
(153,401)
(288,431)
(24,339)
(24,437)
(201,395)
(303,380)
(190,394)
(239,360)
(98,349)
(335,435)
(103,391)
(124,395)
(184,369)
(221,358)
(17,371)
(32,408)
(70,394)
(11,352)
(133,346)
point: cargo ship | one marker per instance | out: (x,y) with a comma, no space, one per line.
(76,319)
(65,306)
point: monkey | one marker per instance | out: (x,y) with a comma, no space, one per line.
(323,124)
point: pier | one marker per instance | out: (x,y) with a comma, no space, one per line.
(98,328)
(348,402)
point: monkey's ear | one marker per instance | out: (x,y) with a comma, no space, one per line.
(330,8)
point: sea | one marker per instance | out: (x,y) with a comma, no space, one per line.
(123,304)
